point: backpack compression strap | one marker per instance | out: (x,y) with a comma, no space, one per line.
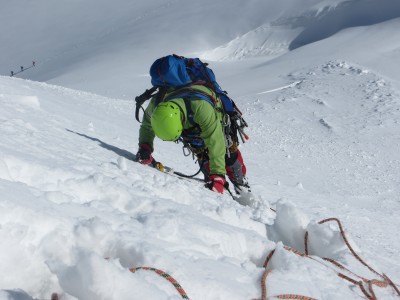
(188,95)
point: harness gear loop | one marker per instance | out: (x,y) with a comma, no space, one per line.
(226,125)
(186,148)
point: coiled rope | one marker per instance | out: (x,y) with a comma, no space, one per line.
(383,283)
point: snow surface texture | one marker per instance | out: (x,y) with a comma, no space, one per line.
(321,97)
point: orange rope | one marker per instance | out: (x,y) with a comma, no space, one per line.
(360,283)
(284,296)
(371,295)
(392,284)
(386,280)
(268,258)
(348,244)
(168,277)
(264,284)
(292,296)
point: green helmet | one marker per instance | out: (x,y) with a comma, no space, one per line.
(166,121)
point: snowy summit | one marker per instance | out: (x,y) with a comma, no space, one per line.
(318,83)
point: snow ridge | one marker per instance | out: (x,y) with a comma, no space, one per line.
(288,33)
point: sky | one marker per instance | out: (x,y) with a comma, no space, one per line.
(318,84)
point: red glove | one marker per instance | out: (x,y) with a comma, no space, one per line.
(144,154)
(216,183)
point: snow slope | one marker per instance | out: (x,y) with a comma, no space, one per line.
(76,212)
(71,197)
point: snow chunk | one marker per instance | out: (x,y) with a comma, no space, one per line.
(325,242)
(290,225)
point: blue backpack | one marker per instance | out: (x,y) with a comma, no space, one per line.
(180,73)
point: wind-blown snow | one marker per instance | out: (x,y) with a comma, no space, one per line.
(76,212)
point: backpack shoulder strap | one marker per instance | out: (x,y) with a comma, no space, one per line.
(189,112)
(189,94)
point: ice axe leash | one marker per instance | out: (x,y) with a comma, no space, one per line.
(160,167)
(165,169)
(142,99)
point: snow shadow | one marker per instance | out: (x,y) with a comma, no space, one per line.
(16,294)
(347,14)
(121,152)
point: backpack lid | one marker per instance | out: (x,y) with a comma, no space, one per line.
(169,71)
